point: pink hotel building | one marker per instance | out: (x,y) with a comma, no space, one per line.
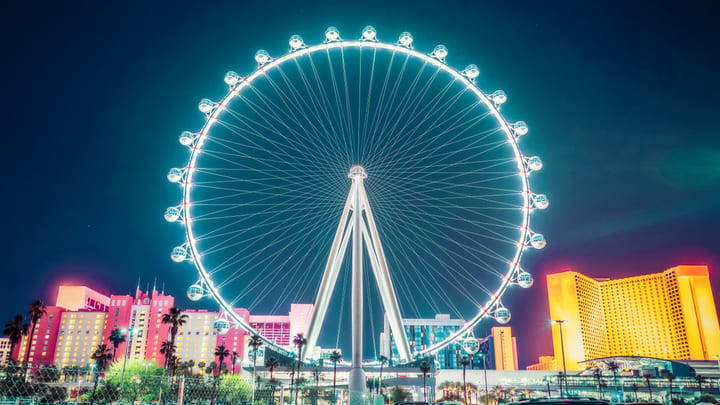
(81,318)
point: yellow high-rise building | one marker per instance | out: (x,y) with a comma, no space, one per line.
(669,315)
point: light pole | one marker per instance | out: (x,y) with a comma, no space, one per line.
(560,322)
(129,333)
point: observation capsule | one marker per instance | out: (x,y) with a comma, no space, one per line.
(175,175)
(537,240)
(221,326)
(186,138)
(502,315)
(172,214)
(369,33)
(231,78)
(498,97)
(534,163)
(525,279)
(262,57)
(206,106)
(471,72)
(406,40)
(178,254)
(470,345)
(296,42)
(332,34)
(195,292)
(520,128)
(540,201)
(440,53)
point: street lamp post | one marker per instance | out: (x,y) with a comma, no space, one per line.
(560,322)
(129,333)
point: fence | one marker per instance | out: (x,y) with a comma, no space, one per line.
(46,385)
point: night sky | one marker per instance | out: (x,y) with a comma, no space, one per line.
(621,99)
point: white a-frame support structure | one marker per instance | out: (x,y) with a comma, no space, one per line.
(361,228)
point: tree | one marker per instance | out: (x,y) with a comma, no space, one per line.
(175,318)
(36,311)
(221,353)
(425,369)
(166,350)
(299,341)
(383,361)
(116,337)
(335,356)
(465,361)
(670,377)
(291,366)
(647,381)
(234,360)
(597,374)
(255,342)
(613,366)
(14,330)
(201,366)
(101,356)
(635,387)
(272,364)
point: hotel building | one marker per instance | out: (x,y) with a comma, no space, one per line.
(4,350)
(669,315)
(504,348)
(423,333)
(79,335)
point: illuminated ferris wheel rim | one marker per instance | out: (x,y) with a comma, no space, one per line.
(437,60)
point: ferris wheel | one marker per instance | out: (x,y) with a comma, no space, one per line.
(364,177)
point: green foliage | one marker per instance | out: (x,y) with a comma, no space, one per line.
(233,388)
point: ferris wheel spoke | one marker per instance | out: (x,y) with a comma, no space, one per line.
(443,234)
(363,133)
(348,109)
(344,126)
(400,238)
(338,132)
(268,256)
(386,102)
(318,142)
(426,274)
(369,135)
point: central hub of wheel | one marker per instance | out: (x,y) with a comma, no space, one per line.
(357,172)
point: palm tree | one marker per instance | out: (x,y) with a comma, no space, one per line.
(116,337)
(597,374)
(271,364)
(14,330)
(299,341)
(166,350)
(291,366)
(221,353)
(175,318)
(101,356)
(255,342)
(700,380)
(647,381)
(36,311)
(201,366)
(613,366)
(635,387)
(465,361)
(670,377)
(335,356)
(383,361)
(425,369)
(234,360)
